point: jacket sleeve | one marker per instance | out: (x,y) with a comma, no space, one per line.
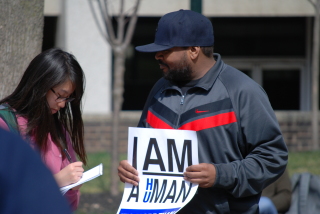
(260,139)
(73,196)
(53,160)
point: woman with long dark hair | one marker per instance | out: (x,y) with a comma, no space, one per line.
(46,106)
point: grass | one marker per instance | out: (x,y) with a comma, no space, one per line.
(102,183)
(298,162)
(304,162)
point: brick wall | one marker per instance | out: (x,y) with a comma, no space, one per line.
(296,129)
(97,131)
(295,126)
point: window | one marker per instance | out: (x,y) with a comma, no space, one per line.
(271,50)
(283,88)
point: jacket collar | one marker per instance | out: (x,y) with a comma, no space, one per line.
(210,77)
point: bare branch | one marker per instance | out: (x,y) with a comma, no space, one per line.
(104,35)
(121,6)
(129,13)
(102,10)
(121,23)
(108,22)
(132,23)
(313,4)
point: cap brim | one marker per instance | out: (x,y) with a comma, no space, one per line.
(152,48)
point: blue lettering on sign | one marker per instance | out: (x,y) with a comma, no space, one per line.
(149,184)
(148,193)
(162,211)
(157,193)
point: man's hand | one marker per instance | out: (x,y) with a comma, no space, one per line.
(127,173)
(203,174)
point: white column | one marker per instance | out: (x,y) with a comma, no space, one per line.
(78,34)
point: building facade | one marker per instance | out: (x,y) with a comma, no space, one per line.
(269,40)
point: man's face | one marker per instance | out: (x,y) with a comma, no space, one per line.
(174,64)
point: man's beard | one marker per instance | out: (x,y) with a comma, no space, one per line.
(181,72)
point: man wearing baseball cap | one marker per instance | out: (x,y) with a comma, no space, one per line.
(241,148)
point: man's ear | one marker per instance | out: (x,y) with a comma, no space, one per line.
(194,52)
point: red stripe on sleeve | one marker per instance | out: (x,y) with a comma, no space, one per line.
(156,122)
(210,122)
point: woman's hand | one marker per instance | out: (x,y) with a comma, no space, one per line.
(70,174)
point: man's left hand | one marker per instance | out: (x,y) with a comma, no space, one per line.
(203,174)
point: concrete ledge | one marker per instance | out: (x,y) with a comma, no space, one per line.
(295,127)
(124,115)
(135,115)
(293,116)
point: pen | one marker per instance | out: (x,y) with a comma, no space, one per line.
(68,155)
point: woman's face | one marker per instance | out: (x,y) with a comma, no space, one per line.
(61,91)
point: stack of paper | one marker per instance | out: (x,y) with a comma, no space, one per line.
(87,176)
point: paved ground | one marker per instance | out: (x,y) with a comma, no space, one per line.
(102,203)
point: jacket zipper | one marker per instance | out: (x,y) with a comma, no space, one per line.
(181,103)
(182,100)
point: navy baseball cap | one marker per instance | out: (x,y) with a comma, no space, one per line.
(181,28)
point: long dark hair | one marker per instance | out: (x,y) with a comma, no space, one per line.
(47,70)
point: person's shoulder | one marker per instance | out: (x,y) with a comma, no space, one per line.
(18,160)
(161,81)
(3,125)
(160,84)
(234,79)
(231,74)
(6,136)
(4,116)
(12,143)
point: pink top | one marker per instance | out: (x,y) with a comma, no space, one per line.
(52,158)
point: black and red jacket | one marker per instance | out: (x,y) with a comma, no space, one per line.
(237,132)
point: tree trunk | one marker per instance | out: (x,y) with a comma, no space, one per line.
(119,43)
(315,77)
(21,32)
(118,90)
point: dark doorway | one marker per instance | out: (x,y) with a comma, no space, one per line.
(49,32)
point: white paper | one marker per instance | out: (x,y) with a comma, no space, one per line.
(158,156)
(87,176)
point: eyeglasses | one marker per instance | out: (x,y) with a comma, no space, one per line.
(62,99)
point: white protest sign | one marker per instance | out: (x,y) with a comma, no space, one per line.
(160,156)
